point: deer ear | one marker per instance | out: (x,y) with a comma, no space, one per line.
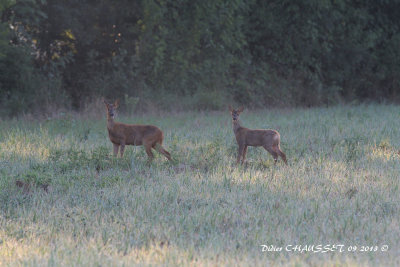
(241,109)
(116,103)
(230,108)
(105,102)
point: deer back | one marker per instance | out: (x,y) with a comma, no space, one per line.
(133,134)
(248,137)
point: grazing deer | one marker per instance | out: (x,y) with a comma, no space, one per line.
(122,134)
(268,139)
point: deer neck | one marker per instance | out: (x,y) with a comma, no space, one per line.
(236,125)
(110,122)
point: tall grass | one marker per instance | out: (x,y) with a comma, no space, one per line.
(341,187)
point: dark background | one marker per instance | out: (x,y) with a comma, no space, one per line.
(181,54)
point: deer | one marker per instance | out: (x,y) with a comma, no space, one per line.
(268,139)
(121,134)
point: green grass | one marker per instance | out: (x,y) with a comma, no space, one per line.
(341,187)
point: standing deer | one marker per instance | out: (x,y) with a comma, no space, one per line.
(122,134)
(268,139)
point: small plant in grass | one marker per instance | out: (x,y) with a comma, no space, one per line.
(100,158)
(84,134)
(353,149)
(263,164)
(35,176)
(384,144)
(55,155)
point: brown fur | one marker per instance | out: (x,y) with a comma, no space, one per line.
(121,134)
(268,139)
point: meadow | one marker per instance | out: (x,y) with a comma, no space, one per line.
(341,187)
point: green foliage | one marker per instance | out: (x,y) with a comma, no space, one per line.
(18,83)
(23,85)
(213,51)
(131,103)
(203,100)
(333,48)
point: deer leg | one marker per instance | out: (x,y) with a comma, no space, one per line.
(122,149)
(240,153)
(149,153)
(116,147)
(244,154)
(160,149)
(281,154)
(272,152)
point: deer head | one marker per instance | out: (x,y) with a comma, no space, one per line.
(235,113)
(111,108)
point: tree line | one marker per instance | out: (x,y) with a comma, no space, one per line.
(202,54)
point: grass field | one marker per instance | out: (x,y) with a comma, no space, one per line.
(341,187)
